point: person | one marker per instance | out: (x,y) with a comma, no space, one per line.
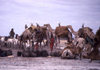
(26,26)
(51,42)
(36,46)
(59,24)
(12,33)
(16,36)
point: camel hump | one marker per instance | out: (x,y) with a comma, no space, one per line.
(69,26)
(26,32)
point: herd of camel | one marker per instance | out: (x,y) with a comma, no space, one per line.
(83,42)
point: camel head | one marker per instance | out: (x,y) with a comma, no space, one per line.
(48,26)
(37,25)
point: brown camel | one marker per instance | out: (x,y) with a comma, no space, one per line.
(72,30)
(38,36)
(95,54)
(43,30)
(33,34)
(84,32)
(39,33)
(88,34)
(97,36)
(63,32)
(33,29)
(92,40)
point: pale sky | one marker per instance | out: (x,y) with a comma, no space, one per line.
(16,13)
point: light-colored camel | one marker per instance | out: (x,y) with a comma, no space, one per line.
(32,28)
(49,32)
(26,35)
(75,48)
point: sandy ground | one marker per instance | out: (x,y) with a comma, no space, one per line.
(47,63)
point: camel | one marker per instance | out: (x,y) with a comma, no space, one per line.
(49,32)
(12,42)
(74,32)
(38,33)
(28,53)
(68,53)
(38,36)
(6,41)
(97,36)
(74,49)
(41,33)
(85,47)
(32,28)
(5,53)
(26,35)
(92,45)
(79,42)
(63,32)
(88,34)
(95,54)
(84,32)
(34,34)
(43,30)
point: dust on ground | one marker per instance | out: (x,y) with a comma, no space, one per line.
(47,63)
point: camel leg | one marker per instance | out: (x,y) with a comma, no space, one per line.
(69,37)
(33,45)
(20,45)
(55,42)
(40,45)
(46,43)
(59,40)
(43,43)
(80,55)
